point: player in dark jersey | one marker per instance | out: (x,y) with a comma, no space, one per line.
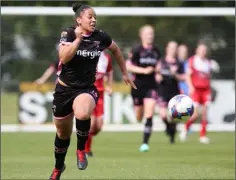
(169,72)
(48,73)
(75,93)
(142,61)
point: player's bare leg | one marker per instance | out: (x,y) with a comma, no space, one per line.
(203,138)
(90,137)
(96,127)
(83,107)
(184,132)
(62,141)
(149,107)
(139,112)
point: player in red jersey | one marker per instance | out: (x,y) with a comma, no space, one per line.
(104,70)
(198,80)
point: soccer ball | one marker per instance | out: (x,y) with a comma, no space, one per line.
(180,108)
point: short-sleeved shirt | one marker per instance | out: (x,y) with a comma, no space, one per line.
(80,71)
(169,84)
(104,66)
(143,57)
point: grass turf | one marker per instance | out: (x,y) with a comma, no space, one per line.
(30,156)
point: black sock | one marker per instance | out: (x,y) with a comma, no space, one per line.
(147,130)
(165,121)
(82,132)
(60,151)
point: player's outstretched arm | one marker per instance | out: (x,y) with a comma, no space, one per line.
(46,75)
(138,70)
(121,62)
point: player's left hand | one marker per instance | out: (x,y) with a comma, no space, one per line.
(109,90)
(128,81)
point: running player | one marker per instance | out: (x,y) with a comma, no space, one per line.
(142,62)
(169,72)
(75,93)
(104,69)
(198,79)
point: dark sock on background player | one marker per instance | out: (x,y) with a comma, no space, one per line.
(147,130)
(172,132)
(165,121)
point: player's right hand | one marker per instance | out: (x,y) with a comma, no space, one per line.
(149,70)
(78,32)
(128,81)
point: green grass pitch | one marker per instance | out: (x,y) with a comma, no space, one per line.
(30,156)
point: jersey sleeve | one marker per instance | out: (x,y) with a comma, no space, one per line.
(134,55)
(67,35)
(109,66)
(106,39)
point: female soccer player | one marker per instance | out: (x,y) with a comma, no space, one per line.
(104,69)
(198,80)
(142,62)
(75,93)
(169,72)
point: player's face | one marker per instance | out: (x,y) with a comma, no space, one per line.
(88,20)
(202,51)
(147,35)
(171,49)
(182,52)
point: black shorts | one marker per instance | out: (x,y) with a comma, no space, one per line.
(64,97)
(164,98)
(140,94)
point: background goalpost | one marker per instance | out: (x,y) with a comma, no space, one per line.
(113,11)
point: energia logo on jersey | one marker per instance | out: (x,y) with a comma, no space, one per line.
(91,54)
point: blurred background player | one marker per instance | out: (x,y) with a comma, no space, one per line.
(142,62)
(182,55)
(198,80)
(169,72)
(104,71)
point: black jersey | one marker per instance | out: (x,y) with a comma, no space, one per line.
(81,70)
(169,84)
(143,58)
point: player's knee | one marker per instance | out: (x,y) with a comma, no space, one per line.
(82,113)
(63,134)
